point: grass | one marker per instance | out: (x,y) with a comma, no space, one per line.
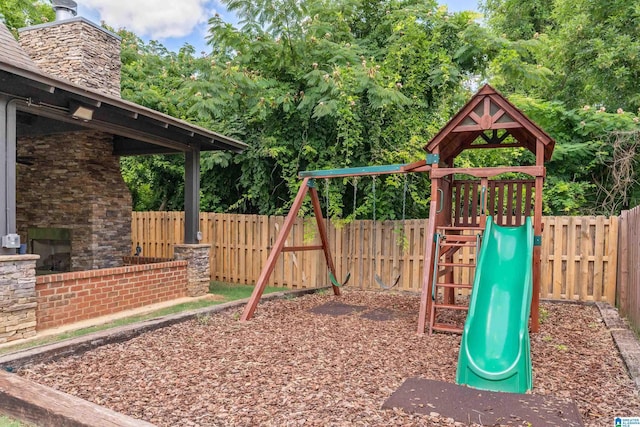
(234,292)
(226,291)
(10,422)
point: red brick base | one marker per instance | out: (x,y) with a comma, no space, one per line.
(72,297)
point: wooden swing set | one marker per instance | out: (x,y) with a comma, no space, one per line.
(461,199)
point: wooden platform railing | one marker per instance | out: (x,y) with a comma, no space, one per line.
(509,201)
(579,254)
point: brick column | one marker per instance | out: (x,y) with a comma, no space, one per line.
(198,271)
(17,297)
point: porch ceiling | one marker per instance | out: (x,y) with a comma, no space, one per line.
(48,105)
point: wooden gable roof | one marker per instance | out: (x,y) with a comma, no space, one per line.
(488,111)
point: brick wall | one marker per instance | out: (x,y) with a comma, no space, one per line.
(72,297)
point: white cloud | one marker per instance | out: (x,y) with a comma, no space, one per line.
(152,18)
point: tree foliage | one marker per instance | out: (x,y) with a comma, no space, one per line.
(16,14)
(590,46)
(317,84)
(588,98)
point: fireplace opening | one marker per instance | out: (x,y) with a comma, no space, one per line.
(54,247)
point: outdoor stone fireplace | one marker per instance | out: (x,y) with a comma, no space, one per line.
(73,182)
(54,247)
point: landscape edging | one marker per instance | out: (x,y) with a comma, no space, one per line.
(624,338)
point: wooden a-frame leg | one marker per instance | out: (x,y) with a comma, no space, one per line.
(317,210)
(250,308)
(268,268)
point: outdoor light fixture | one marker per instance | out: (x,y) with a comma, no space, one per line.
(81,112)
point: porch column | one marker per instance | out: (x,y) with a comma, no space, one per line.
(9,239)
(192,196)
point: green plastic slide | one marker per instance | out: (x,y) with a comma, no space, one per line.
(495,349)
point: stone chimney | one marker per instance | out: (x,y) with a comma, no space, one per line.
(74,187)
(75,49)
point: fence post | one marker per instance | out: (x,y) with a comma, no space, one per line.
(622,285)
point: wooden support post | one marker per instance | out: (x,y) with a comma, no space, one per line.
(537,250)
(250,308)
(427,267)
(484,195)
(622,285)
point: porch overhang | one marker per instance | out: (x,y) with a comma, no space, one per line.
(48,105)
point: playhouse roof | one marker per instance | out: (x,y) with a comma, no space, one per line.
(46,104)
(488,110)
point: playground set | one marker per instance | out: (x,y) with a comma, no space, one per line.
(470,207)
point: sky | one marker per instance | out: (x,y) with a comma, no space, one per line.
(180,21)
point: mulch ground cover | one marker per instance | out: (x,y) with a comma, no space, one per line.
(295,365)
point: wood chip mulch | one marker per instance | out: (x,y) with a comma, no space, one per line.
(290,366)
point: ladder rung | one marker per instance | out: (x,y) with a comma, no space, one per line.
(443,327)
(458,245)
(454,264)
(455,285)
(452,306)
(460,227)
(458,238)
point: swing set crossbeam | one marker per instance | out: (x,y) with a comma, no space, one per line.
(302,248)
(363,171)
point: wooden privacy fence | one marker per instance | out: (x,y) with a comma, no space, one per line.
(579,254)
(628,291)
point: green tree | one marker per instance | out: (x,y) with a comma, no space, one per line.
(593,167)
(583,60)
(591,48)
(17,14)
(518,20)
(594,51)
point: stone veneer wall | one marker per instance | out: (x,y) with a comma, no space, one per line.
(75,182)
(76,50)
(198,270)
(17,297)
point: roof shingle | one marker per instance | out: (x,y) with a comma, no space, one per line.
(12,53)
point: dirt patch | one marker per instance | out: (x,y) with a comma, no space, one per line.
(336,308)
(290,366)
(214,297)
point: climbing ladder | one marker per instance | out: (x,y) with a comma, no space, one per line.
(449,240)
